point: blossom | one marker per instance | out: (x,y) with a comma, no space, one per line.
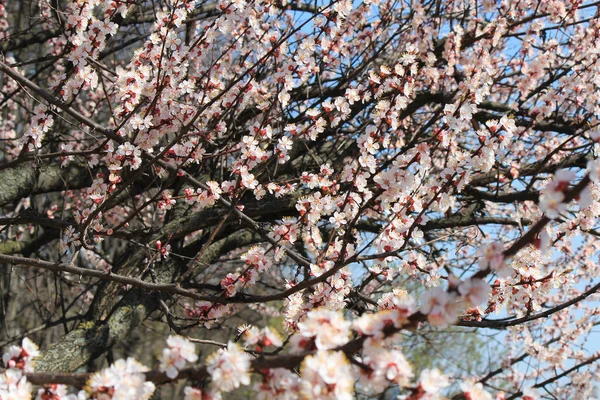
(467,110)
(248,179)
(191,393)
(328,328)
(175,356)
(21,356)
(207,312)
(543,240)
(475,291)
(229,368)
(164,250)
(129,154)
(509,125)
(327,375)
(552,197)
(432,381)
(40,124)
(58,392)
(492,256)
(386,366)
(530,394)
(257,257)
(374,324)
(475,391)
(124,379)
(167,201)
(338,219)
(440,307)
(593,168)
(14,385)
(551,203)
(278,384)
(264,337)
(400,301)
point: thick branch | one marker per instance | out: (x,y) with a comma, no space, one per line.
(29,179)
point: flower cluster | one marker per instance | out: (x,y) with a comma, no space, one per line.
(553,196)
(192,393)
(21,357)
(18,360)
(14,385)
(346,174)
(278,384)
(327,375)
(385,366)
(327,328)
(441,307)
(475,391)
(229,368)
(175,357)
(207,312)
(257,261)
(204,198)
(431,382)
(58,392)
(491,256)
(39,125)
(260,338)
(400,301)
(124,379)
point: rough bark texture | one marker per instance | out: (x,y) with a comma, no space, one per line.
(94,337)
(28,179)
(91,339)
